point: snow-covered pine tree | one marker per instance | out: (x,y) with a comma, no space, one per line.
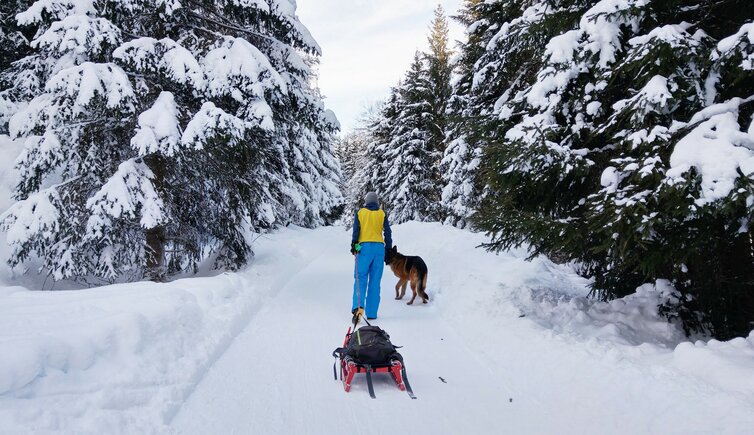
(439,71)
(158,131)
(351,150)
(628,154)
(371,175)
(502,52)
(676,197)
(460,161)
(407,177)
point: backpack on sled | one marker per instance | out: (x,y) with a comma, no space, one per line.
(369,350)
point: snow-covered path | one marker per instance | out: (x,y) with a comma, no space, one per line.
(520,348)
(505,373)
(277,375)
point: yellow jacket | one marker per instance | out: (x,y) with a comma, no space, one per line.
(369,226)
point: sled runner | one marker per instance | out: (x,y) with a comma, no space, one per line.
(369,350)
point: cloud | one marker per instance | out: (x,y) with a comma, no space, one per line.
(367,46)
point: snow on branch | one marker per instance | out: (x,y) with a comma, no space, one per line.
(742,42)
(210,124)
(653,97)
(158,131)
(40,155)
(602,27)
(149,55)
(128,193)
(594,44)
(84,82)
(70,93)
(35,217)
(717,148)
(79,34)
(238,69)
(236,65)
(57,9)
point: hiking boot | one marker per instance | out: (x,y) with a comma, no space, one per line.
(358,313)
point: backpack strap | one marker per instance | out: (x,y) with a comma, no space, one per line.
(369,381)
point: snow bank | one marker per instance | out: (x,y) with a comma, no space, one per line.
(552,297)
(97,360)
(728,364)
(633,320)
(123,358)
(481,292)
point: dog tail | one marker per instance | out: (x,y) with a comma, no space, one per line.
(422,287)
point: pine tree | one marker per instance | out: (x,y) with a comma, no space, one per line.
(612,154)
(157,132)
(505,40)
(351,151)
(439,71)
(458,167)
(372,175)
(408,139)
(408,177)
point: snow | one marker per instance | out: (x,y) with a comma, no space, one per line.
(239,70)
(237,64)
(673,35)
(159,130)
(593,108)
(8,172)
(717,149)
(602,25)
(55,8)
(164,55)
(652,97)
(561,48)
(610,179)
(211,122)
(127,193)
(730,42)
(81,84)
(738,47)
(250,351)
(37,214)
(79,34)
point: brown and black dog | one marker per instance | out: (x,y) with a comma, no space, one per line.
(408,269)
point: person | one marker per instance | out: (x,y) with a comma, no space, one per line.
(370,243)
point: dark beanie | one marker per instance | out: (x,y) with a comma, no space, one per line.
(371,198)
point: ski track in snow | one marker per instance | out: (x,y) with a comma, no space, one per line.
(289,387)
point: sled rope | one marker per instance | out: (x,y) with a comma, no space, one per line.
(357,316)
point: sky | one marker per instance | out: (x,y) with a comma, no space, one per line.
(367,46)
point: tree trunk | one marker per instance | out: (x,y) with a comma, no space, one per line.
(155,237)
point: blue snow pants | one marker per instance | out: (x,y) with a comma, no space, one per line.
(367,275)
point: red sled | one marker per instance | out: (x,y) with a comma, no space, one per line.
(349,367)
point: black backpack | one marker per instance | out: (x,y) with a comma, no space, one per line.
(370,345)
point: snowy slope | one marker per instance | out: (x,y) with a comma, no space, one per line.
(250,352)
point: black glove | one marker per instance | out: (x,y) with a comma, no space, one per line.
(388,255)
(354,251)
